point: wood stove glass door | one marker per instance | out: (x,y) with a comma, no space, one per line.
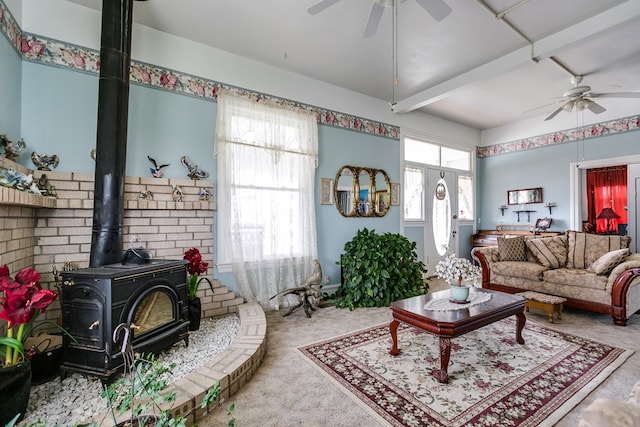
(154,310)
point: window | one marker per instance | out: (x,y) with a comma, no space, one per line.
(266,193)
(465,198)
(432,154)
(413,193)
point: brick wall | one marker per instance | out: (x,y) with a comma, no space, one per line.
(44,232)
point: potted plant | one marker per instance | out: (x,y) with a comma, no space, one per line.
(378,269)
(195,268)
(140,397)
(455,271)
(23,299)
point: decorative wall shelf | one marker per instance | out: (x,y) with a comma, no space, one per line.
(13,197)
(528,212)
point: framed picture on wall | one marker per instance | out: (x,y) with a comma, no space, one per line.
(395,194)
(326,191)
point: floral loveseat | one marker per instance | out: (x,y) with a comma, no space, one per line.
(593,272)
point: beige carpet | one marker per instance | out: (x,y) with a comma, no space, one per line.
(286,391)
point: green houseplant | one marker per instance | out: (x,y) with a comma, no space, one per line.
(378,269)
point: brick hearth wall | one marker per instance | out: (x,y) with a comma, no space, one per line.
(43,232)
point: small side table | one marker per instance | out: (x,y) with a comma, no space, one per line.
(549,303)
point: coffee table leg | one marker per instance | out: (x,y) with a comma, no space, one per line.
(445,353)
(520,321)
(393,328)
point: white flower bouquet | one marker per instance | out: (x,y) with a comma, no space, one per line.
(456,270)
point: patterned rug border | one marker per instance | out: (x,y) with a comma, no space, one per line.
(587,383)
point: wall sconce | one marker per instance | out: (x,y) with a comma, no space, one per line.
(550,205)
(502,208)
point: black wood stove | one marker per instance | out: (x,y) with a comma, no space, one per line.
(152,296)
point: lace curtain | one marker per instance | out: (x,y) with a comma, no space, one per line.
(267,157)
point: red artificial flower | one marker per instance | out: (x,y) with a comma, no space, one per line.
(23,296)
(196,265)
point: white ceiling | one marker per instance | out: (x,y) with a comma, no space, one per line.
(470,67)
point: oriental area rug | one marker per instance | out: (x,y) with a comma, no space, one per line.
(493,380)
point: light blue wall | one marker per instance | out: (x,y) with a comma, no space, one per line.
(10,100)
(60,109)
(338,147)
(546,167)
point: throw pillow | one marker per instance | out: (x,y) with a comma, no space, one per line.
(512,249)
(549,252)
(585,248)
(608,261)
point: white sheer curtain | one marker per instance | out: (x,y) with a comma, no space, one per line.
(267,157)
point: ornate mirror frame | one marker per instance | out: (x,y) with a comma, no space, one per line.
(362,192)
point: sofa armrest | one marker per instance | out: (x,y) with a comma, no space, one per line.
(485,256)
(630,262)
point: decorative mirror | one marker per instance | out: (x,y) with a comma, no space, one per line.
(383,193)
(345,189)
(362,192)
(524,196)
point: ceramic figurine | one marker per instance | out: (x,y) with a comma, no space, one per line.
(155,170)
(177,193)
(93,154)
(204,195)
(14,179)
(192,170)
(12,149)
(145,195)
(44,162)
(45,188)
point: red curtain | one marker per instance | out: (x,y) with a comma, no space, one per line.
(607,188)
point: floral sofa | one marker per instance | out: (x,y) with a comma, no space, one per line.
(593,272)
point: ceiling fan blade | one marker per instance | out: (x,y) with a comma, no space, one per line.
(374,20)
(438,9)
(615,95)
(594,107)
(567,106)
(319,7)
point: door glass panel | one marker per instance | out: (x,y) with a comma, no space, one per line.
(154,310)
(441,217)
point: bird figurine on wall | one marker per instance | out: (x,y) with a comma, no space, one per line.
(192,170)
(306,291)
(155,170)
(44,162)
(12,149)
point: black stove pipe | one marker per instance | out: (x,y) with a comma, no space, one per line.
(111,141)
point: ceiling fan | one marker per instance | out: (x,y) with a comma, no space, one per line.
(579,97)
(438,9)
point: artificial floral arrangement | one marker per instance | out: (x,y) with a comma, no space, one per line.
(456,270)
(195,268)
(22,302)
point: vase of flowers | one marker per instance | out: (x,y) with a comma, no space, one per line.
(195,268)
(23,299)
(456,271)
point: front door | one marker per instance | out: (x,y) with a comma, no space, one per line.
(441,202)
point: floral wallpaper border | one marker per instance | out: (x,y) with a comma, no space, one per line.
(57,53)
(580,133)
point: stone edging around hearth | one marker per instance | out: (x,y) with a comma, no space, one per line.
(234,367)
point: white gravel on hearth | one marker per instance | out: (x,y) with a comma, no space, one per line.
(77,398)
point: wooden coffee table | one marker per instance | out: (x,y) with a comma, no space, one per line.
(451,324)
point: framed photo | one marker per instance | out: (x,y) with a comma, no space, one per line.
(395,194)
(326,191)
